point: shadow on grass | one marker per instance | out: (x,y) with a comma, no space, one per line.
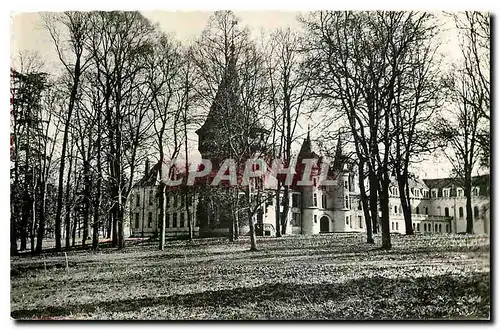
(415,298)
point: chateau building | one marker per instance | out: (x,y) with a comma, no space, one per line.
(437,205)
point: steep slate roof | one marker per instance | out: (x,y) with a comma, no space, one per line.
(481,181)
(149,179)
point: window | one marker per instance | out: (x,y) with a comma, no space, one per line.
(447,228)
(425,227)
(350,221)
(418,227)
(150,219)
(296,219)
(426,193)
(476,212)
(392,225)
(440,228)
(175,201)
(417,193)
(138,200)
(460,192)
(360,218)
(446,212)
(395,209)
(323,201)
(417,210)
(174,217)
(434,193)
(345,184)
(360,205)
(315,199)
(446,192)
(413,226)
(426,210)
(461,212)
(151,197)
(346,202)
(397,226)
(436,227)
(346,220)
(137,220)
(183,220)
(167,220)
(400,209)
(475,191)
(295,200)
(315,218)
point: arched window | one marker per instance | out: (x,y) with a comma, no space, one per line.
(426,210)
(446,212)
(425,227)
(417,210)
(400,209)
(418,227)
(476,212)
(440,228)
(436,227)
(395,209)
(414,226)
(397,226)
(461,212)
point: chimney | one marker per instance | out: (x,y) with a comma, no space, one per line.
(146,167)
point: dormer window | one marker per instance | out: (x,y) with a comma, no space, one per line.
(475,191)
(426,193)
(434,193)
(446,192)
(417,193)
(460,192)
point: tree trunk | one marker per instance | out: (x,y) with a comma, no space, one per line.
(75,227)
(364,202)
(468,203)
(251,222)
(404,199)
(384,205)
(41,214)
(277,210)
(71,105)
(86,202)
(253,239)
(374,199)
(286,206)
(162,221)
(24,221)
(67,217)
(189,204)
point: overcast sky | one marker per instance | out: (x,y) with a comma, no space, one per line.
(29,34)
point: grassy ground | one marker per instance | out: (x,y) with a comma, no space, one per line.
(334,276)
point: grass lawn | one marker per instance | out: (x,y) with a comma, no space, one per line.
(334,276)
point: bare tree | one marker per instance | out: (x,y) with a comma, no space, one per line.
(72,56)
(289,85)
(357,58)
(464,127)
